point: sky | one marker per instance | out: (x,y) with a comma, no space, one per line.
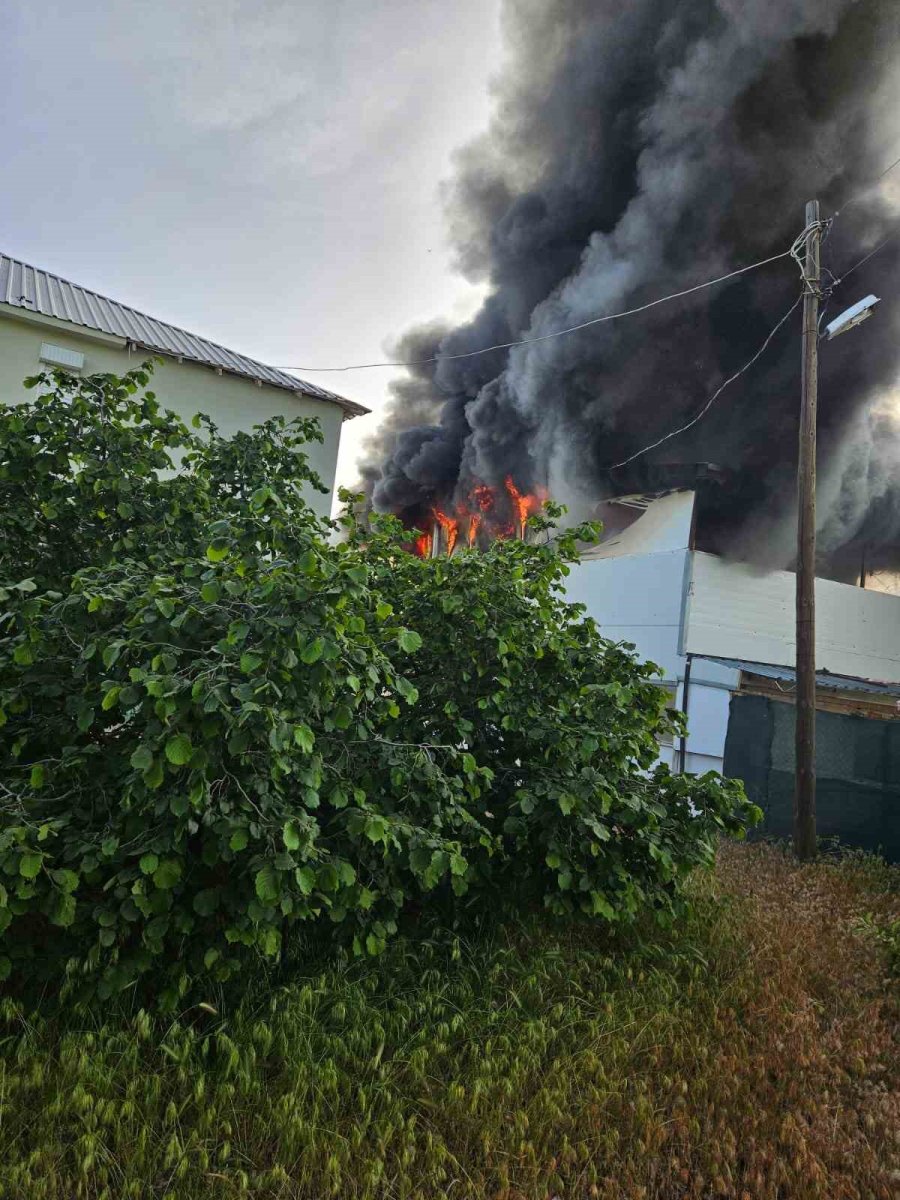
(265,173)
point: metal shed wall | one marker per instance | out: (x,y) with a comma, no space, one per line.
(737,611)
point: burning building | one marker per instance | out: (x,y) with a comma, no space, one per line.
(722,634)
(639,150)
(482,515)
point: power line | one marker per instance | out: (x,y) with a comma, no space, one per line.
(718,392)
(858,195)
(628,312)
(793,252)
(890,237)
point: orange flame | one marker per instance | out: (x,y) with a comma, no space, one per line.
(450,526)
(524,504)
(474,523)
(486,511)
(484,496)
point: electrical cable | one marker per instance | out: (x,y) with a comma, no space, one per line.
(718,392)
(794,252)
(890,237)
(629,312)
(858,195)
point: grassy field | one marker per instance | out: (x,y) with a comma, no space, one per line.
(752,1052)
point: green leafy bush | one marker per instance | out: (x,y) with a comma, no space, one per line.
(220,722)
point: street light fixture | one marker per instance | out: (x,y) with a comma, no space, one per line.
(852,316)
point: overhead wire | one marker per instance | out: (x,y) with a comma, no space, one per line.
(716,394)
(793,252)
(890,237)
(798,245)
(862,192)
(628,312)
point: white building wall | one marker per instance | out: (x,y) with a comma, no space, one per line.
(636,599)
(738,611)
(634,586)
(646,586)
(233,402)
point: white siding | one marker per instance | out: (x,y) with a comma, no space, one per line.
(636,599)
(741,612)
(634,586)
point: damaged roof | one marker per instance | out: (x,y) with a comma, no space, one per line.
(34,290)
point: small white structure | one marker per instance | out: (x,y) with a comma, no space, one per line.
(708,623)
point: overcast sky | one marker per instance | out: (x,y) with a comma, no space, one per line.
(263,172)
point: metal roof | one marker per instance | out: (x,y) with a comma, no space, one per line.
(30,288)
(824,679)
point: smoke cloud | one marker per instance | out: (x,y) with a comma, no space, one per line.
(637,150)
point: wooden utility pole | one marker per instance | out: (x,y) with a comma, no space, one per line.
(805,783)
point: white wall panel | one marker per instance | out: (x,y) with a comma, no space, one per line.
(664,525)
(738,611)
(636,599)
(707,718)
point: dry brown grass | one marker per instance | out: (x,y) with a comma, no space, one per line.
(752,1054)
(806,1096)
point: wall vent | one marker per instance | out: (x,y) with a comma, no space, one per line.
(59,356)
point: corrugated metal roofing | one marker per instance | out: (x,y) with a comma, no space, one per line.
(30,288)
(824,679)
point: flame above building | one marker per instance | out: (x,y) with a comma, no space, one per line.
(483,515)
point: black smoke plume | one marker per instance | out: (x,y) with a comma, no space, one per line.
(638,149)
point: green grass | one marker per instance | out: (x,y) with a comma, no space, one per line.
(728,1057)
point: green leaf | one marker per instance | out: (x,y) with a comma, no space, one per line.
(22,655)
(167,874)
(268,887)
(217,553)
(66,881)
(239,840)
(342,716)
(165,606)
(37,776)
(210,592)
(30,865)
(409,640)
(383,610)
(409,693)
(179,750)
(306,879)
(313,650)
(110,698)
(142,758)
(290,836)
(62,911)
(305,738)
(602,907)
(249,662)
(270,942)
(154,775)
(148,863)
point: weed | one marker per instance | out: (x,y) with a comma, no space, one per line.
(749,1051)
